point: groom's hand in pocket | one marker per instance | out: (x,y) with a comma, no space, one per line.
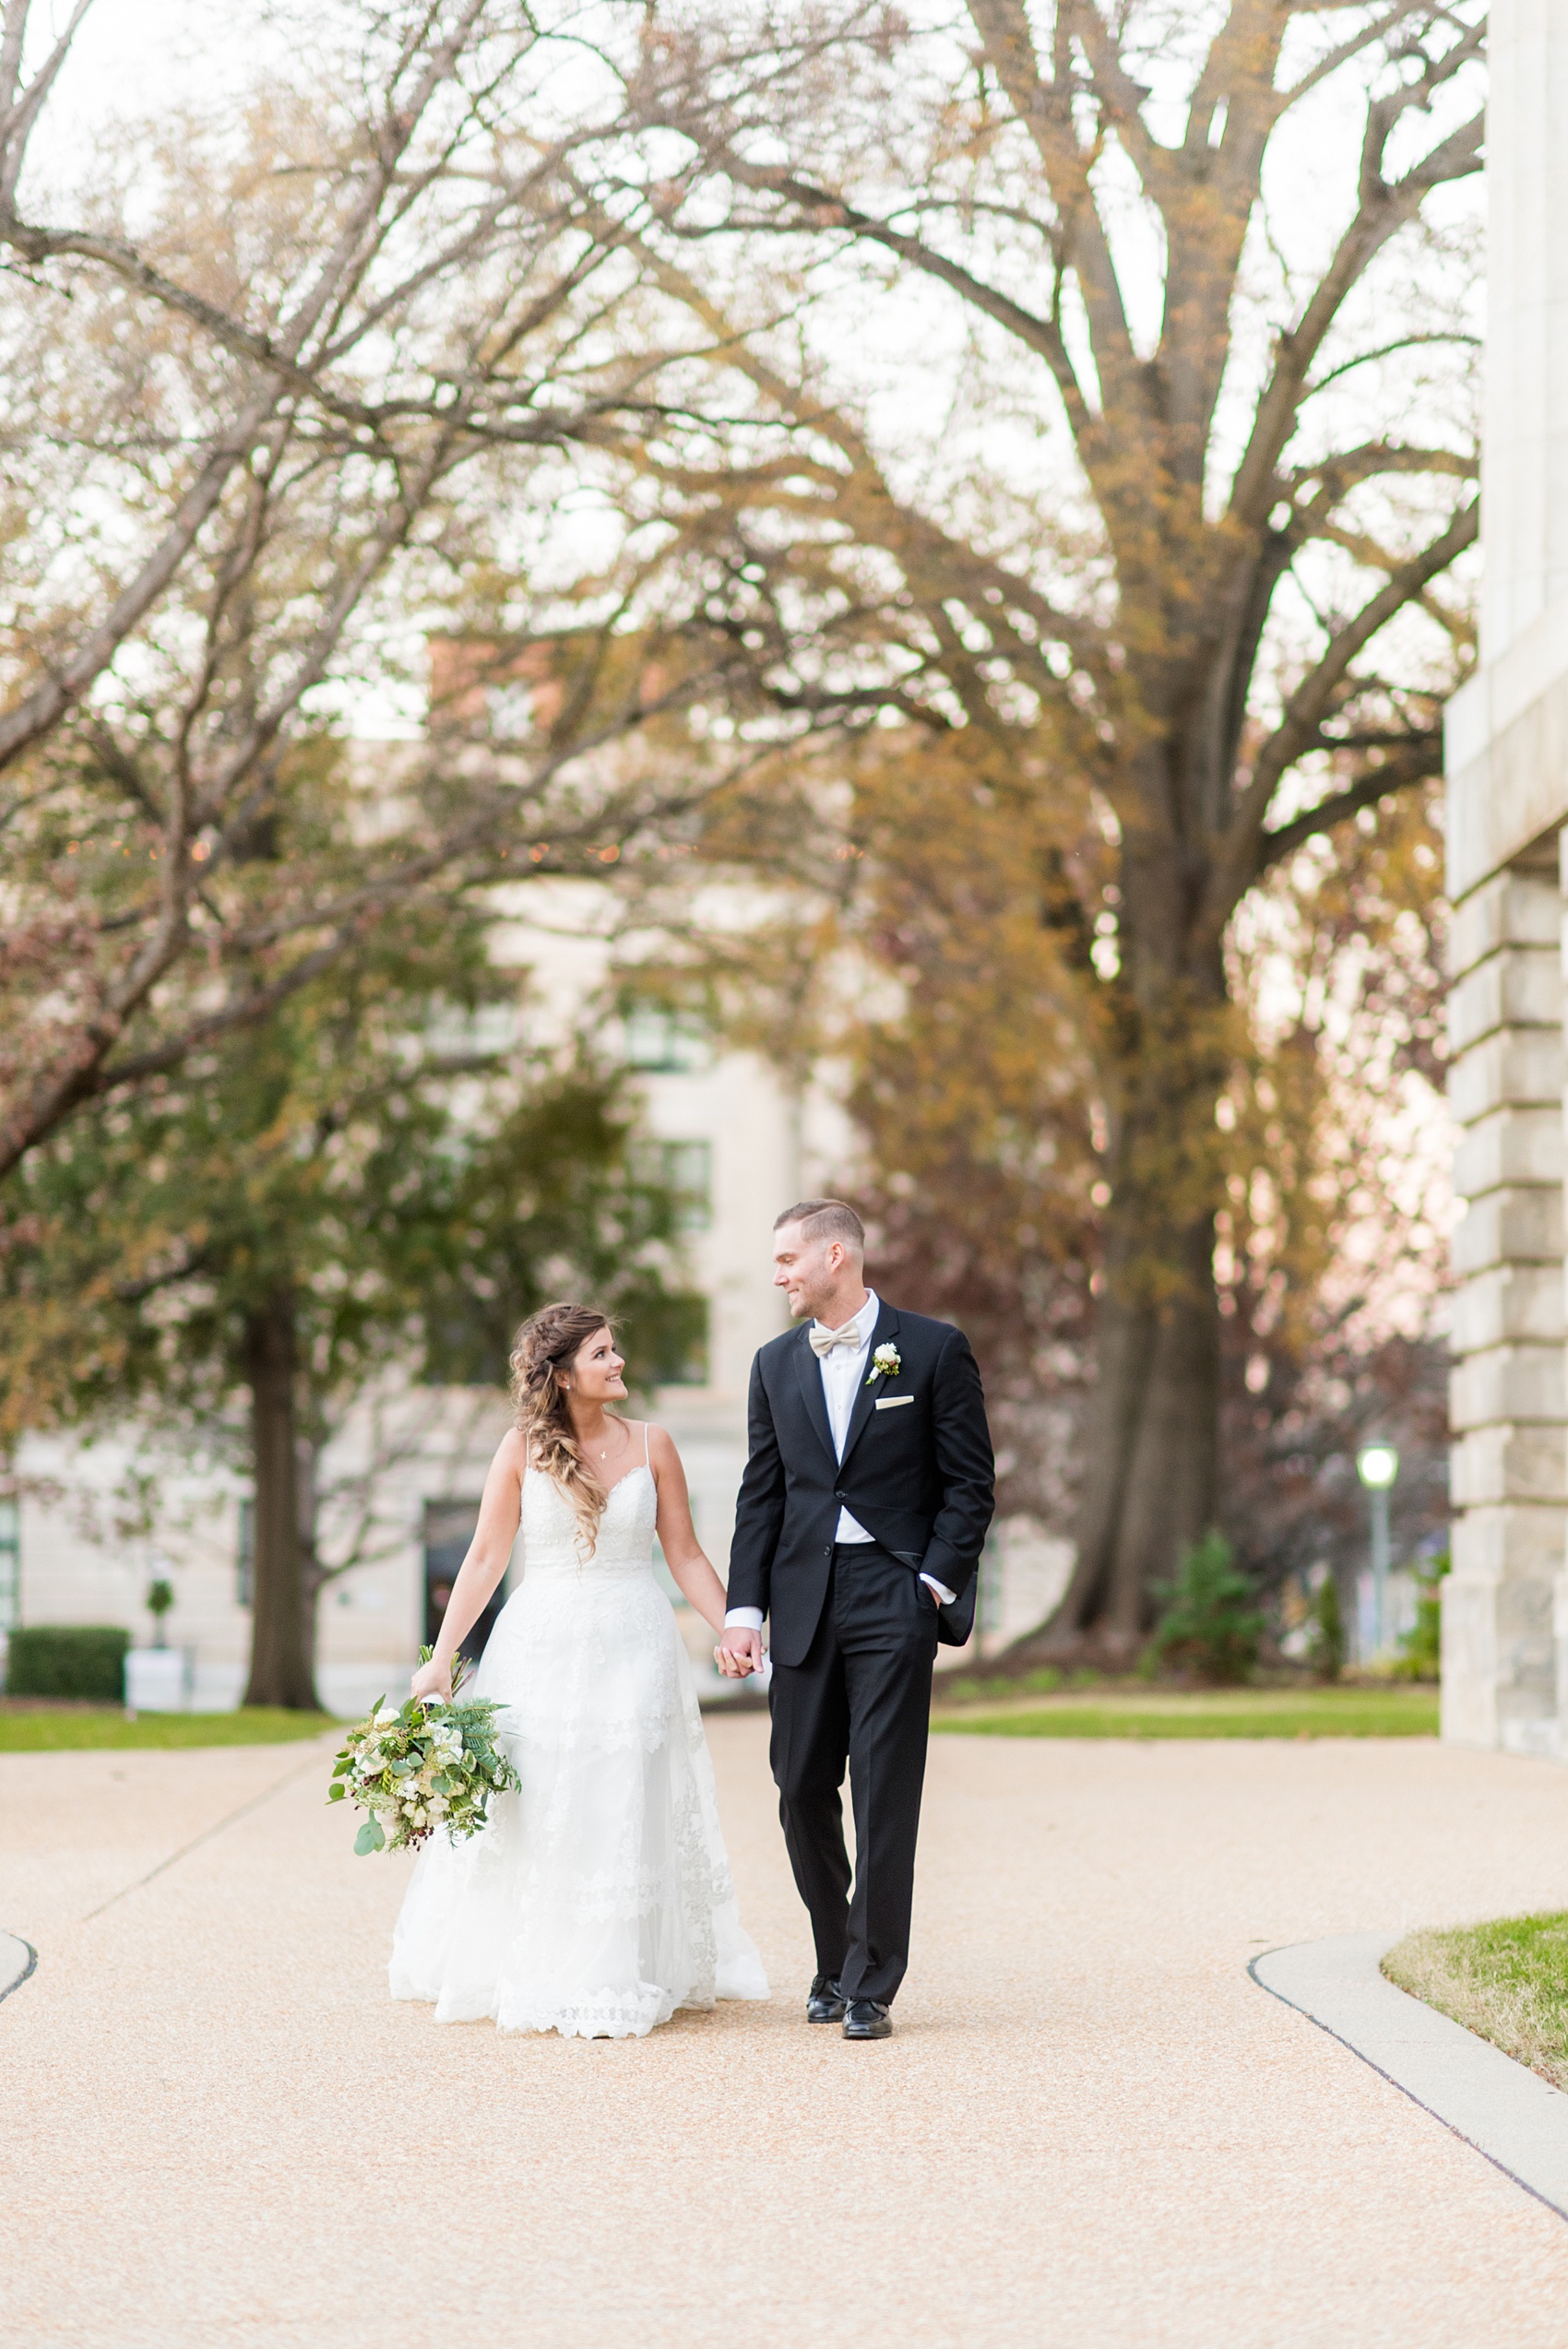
(739,1652)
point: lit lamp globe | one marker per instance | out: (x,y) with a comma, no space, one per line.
(1377,1465)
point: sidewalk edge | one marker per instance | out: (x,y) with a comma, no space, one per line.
(1505,2112)
(18,1959)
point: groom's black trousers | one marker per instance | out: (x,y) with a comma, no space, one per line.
(863,1695)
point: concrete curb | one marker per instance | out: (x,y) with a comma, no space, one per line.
(1507,2111)
(18,1959)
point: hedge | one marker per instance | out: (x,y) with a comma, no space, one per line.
(68,1660)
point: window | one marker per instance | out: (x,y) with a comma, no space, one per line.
(453,1031)
(10,1564)
(661,1038)
(676,1349)
(685,1170)
(687,1175)
(244,1558)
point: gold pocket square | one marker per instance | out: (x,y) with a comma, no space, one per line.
(893,1401)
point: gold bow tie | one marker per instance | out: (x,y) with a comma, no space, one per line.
(824,1341)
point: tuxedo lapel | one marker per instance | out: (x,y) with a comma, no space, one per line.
(808,1372)
(870,1386)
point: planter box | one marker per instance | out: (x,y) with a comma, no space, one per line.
(157,1679)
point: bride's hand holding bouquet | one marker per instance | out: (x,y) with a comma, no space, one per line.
(433,1679)
(432,1762)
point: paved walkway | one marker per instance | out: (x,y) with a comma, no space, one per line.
(1091,2130)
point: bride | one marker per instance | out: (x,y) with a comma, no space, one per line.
(598,1898)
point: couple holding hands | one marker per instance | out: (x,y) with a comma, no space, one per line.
(598,1900)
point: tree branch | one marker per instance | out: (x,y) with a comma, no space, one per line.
(1422,758)
(1385,208)
(1300,730)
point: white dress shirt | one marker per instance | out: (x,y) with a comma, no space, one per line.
(843,1370)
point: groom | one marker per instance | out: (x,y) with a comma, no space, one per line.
(864,1503)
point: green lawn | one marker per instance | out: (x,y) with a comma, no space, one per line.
(1155,1713)
(1507,1980)
(1212,1712)
(66,1727)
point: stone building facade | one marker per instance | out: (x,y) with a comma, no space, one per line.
(1505,1613)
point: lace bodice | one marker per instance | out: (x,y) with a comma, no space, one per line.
(626,1531)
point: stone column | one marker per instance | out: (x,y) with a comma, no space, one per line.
(1506,1596)
(1524,431)
(1505,1610)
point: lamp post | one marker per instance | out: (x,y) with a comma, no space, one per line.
(1377,1465)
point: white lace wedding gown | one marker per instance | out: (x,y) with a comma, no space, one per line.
(598,1898)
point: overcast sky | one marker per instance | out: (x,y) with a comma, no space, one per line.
(132,56)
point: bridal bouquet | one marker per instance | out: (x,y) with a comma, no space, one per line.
(421,1765)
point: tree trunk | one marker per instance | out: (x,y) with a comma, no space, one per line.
(1151,1454)
(282,1641)
(1150,1467)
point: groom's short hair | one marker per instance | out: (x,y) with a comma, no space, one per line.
(824,1219)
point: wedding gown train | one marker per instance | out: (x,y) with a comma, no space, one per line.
(598,1898)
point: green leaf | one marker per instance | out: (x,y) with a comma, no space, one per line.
(336,1792)
(370,1837)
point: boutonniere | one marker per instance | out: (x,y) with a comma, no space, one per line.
(884,1364)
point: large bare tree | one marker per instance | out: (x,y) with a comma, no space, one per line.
(1193,283)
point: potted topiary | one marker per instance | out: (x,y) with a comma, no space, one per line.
(160,1599)
(155,1675)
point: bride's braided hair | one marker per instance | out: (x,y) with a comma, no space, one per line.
(542,1355)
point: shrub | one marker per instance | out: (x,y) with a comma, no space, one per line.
(1325,1637)
(68,1660)
(1210,1627)
(1420,1649)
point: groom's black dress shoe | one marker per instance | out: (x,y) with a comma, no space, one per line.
(825,2001)
(867,2019)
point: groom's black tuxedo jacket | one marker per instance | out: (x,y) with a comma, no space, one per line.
(917,1473)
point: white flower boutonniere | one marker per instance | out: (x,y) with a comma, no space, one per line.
(884,1364)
